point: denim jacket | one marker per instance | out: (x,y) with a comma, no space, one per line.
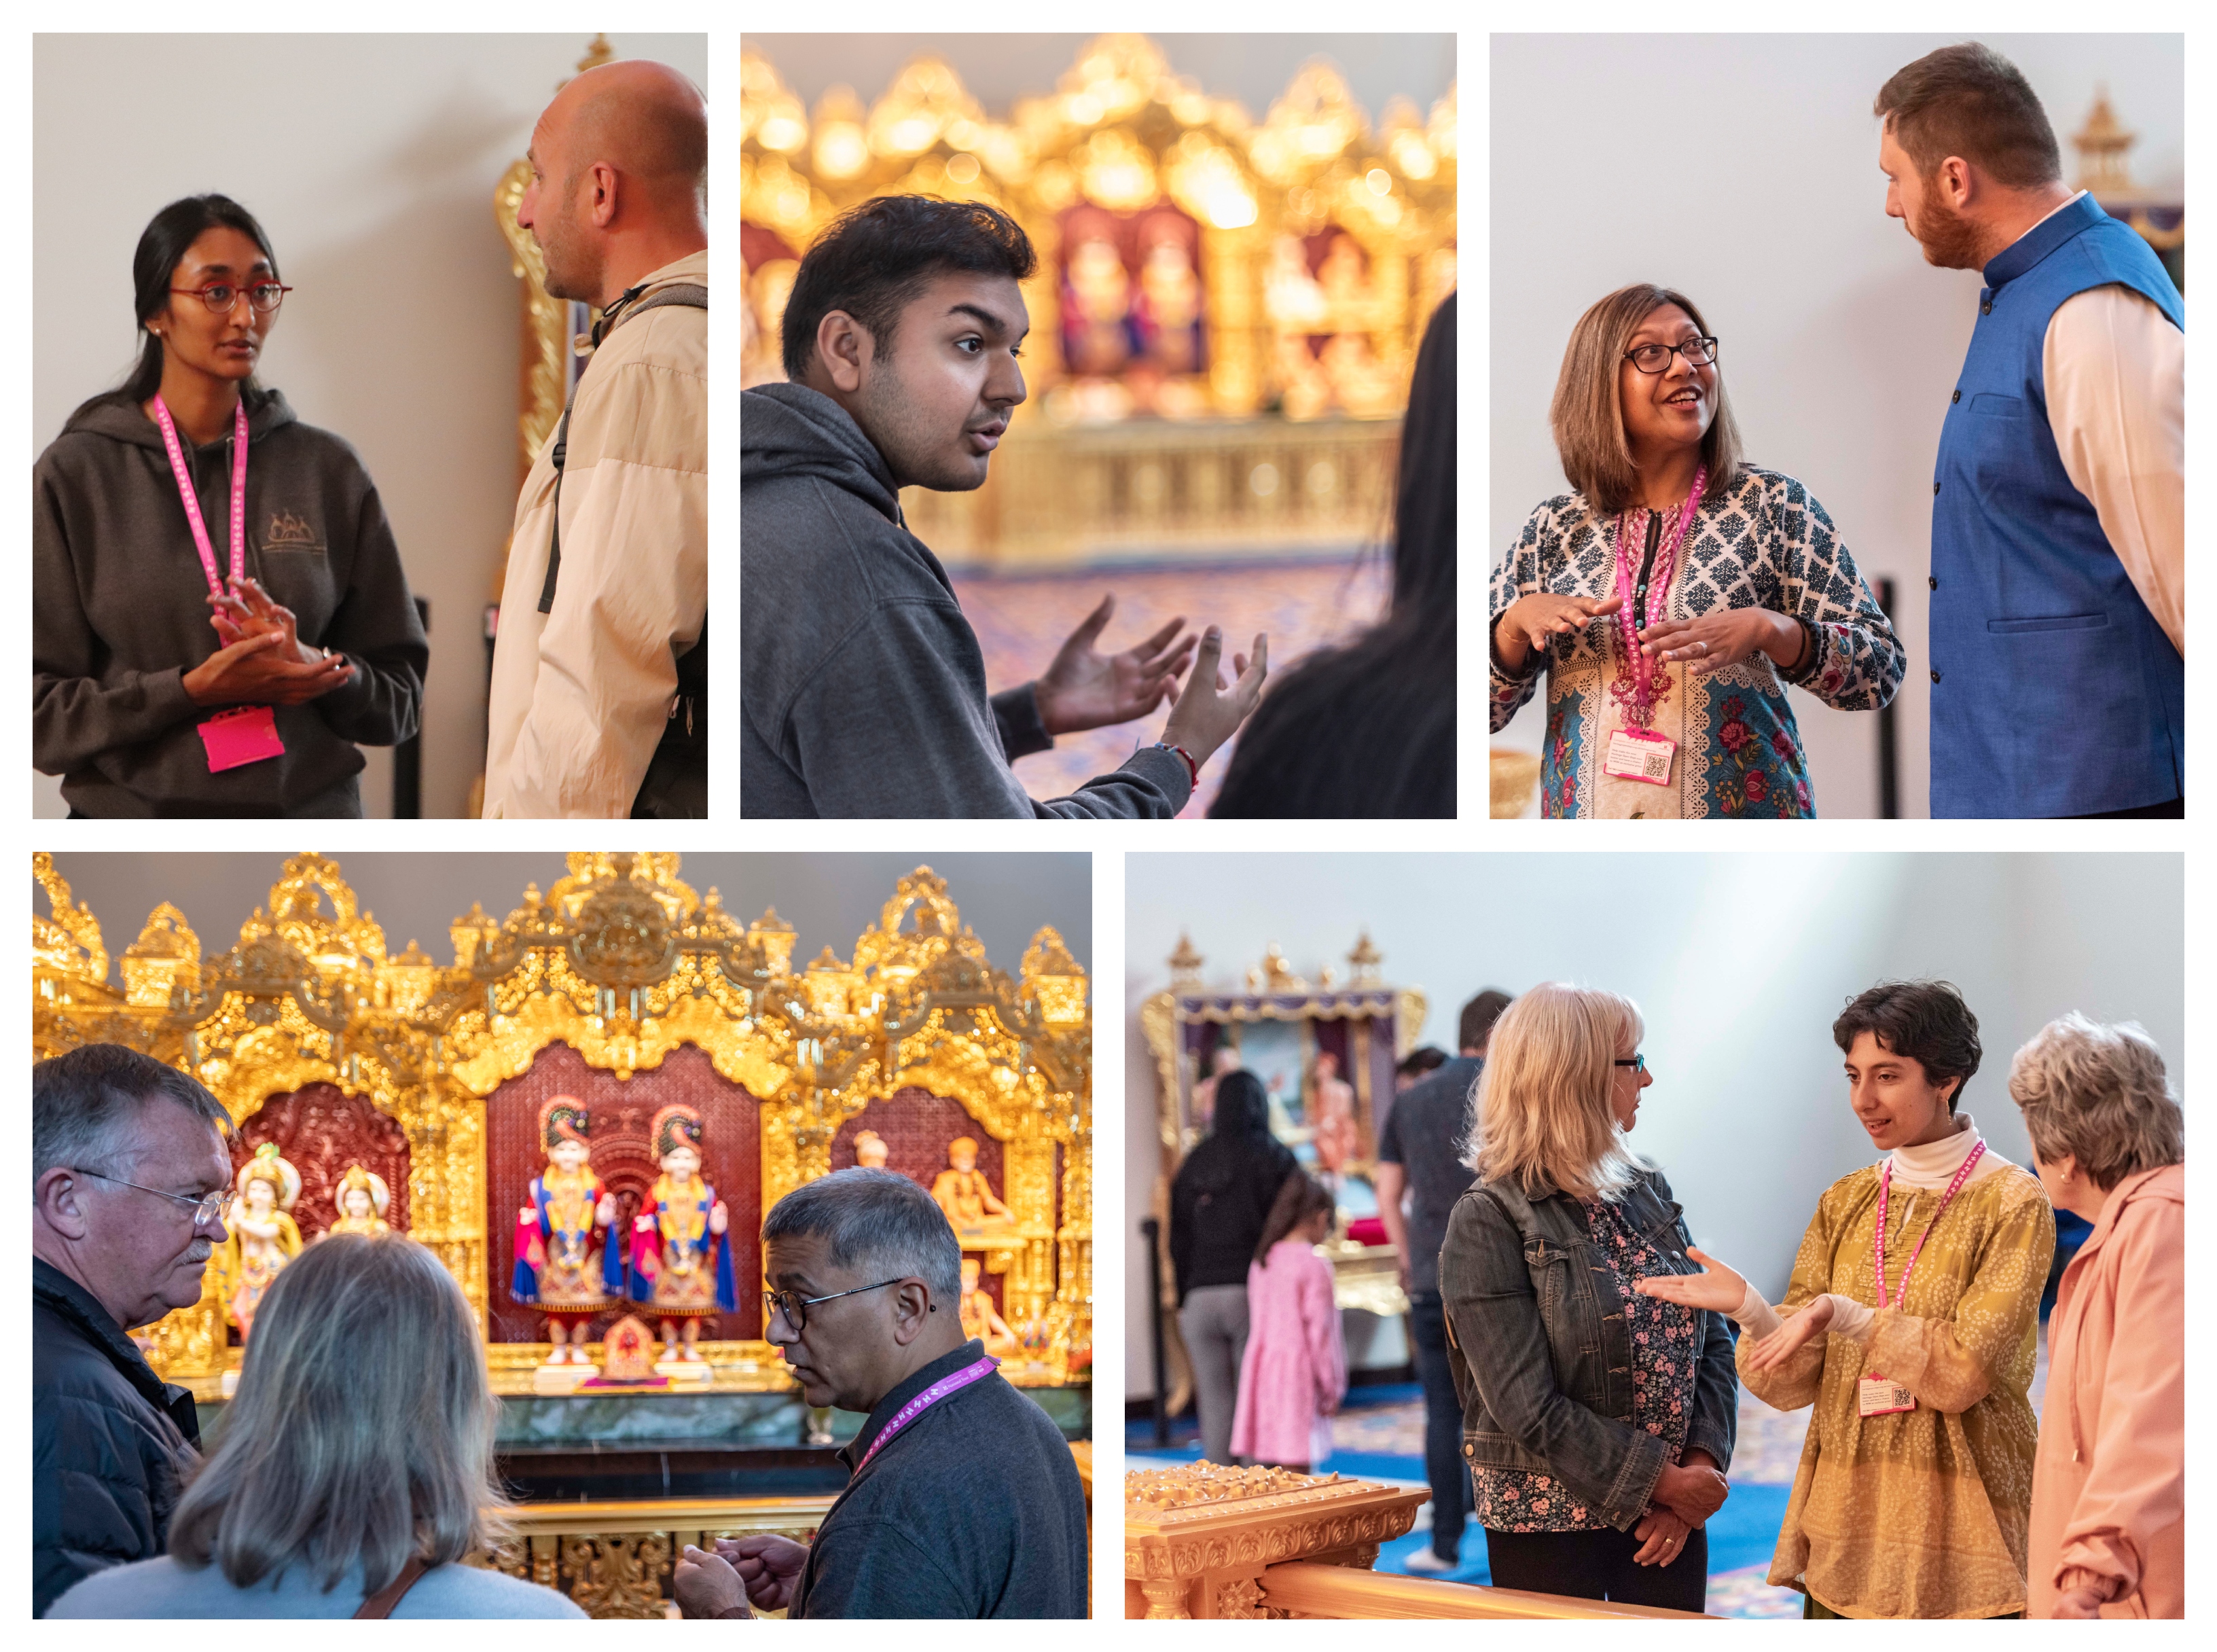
(1539,1349)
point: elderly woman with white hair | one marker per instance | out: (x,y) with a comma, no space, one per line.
(355,1472)
(2109,1485)
(1597,1424)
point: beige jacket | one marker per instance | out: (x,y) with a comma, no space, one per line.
(2109,1488)
(580,695)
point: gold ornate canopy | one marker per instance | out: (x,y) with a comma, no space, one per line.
(623,962)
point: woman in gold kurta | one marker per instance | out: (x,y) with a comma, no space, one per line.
(1920,1512)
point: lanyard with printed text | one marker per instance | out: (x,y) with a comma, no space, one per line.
(192,500)
(924,1401)
(1885,1184)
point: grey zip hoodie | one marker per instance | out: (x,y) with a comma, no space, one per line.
(863,688)
(120,614)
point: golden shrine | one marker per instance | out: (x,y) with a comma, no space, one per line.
(619,976)
(1226,310)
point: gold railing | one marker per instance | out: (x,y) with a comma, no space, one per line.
(1305,1589)
(615,1558)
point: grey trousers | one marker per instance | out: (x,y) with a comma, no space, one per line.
(1214,1322)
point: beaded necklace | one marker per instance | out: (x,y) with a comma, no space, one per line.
(1639,687)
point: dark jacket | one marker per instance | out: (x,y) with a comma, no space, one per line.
(1222,1193)
(973,1510)
(1538,1352)
(863,687)
(120,614)
(110,1441)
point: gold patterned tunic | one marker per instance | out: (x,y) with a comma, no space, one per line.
(1921,1513)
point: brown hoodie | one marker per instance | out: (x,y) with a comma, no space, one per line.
(119,613)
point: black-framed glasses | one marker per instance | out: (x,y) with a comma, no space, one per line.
(795,1307)
(1654,358)
(222,297)
(1638,1062)
(204,1210)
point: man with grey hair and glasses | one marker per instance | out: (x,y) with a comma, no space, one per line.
(964,1502)
(128,1169)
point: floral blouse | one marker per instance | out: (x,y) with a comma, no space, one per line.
(1666,1353)
(1766,544)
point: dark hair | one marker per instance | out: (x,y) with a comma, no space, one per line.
(83,1104)
(1478,1017)
(1242,1106)
(1971,101)
(874,258)
(1924,1020)
(1425,1058)
(1301,1196)
(1369,731)
(161,247)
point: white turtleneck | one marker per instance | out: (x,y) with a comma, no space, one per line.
(1929,1167)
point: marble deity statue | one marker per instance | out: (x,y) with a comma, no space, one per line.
(564,1266)
(263,1238)
(869,1150)
(980,1319)
(363,1199)
(681,1259)
(1331,1105)
(962,1192)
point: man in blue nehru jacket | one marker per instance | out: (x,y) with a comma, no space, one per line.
(2059,546)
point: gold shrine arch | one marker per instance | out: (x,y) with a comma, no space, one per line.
(624,964)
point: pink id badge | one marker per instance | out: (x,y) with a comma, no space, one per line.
(1634,754)
(1881,1397)
(234,739)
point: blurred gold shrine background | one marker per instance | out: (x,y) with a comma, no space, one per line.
(1227,309)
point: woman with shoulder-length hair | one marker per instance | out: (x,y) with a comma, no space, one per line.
(218,616)
(355,1471)
(1597,1424)
(1910,1329)
(1673,595)
(2109,1485)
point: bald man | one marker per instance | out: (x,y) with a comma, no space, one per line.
(599,706)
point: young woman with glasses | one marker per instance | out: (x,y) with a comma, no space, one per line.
(1671,598)
(219,614)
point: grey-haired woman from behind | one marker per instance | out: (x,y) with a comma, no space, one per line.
(359,1449)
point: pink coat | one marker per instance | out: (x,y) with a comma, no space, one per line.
(2109,1485)
(1295,1367)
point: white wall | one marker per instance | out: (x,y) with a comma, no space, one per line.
(1739,962)
(1742,170)
(370,161)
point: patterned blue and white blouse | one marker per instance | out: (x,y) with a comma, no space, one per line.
(1765,544)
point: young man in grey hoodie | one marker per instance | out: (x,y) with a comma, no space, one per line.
(863,684)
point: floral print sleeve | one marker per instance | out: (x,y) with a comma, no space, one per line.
(1859,659)
(1518,574)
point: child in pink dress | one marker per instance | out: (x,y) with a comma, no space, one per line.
(1295,1369)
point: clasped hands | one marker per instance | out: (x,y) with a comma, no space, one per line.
(1686,1494)
(261,659)
(1710,643)
(1086,689)
(759,1571)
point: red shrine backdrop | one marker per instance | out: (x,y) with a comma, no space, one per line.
(321,1130)
(622,1112)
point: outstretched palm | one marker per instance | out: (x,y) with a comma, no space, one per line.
(1716,1287)
(1087,688)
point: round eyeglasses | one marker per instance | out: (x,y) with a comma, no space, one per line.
(206,1211)
(222,297)
(1653,358)
(1638,1062)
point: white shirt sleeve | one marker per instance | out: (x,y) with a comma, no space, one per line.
(2115,370)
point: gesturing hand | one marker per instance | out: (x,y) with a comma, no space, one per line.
(256,671)
(1208,710)
(1663,1536)
(248,610)
(1717,1289)
(767,1564)
(707,1585)
(1716,641)
(1775,1349)
(1087,688)
(1527,624)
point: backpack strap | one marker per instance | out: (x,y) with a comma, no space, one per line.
(381,1604)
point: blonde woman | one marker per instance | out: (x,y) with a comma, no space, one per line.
(1597,1425)
(1671,598)
(2109,1487)
(1908,1325)
(355,1472)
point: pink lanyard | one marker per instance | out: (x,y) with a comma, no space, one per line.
(923,1402)
(1885,1184)
(192,500)
(1640,701)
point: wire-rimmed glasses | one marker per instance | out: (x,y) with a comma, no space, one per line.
(1655,358)
(206,1211)
(795,1307)
(222,297)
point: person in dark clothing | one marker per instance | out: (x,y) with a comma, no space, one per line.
(1420,1152)
(1425,1058)
(127,1172)
(1220,1201)
(863,684)
(228,665)
(1368,730)
(965,1501)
